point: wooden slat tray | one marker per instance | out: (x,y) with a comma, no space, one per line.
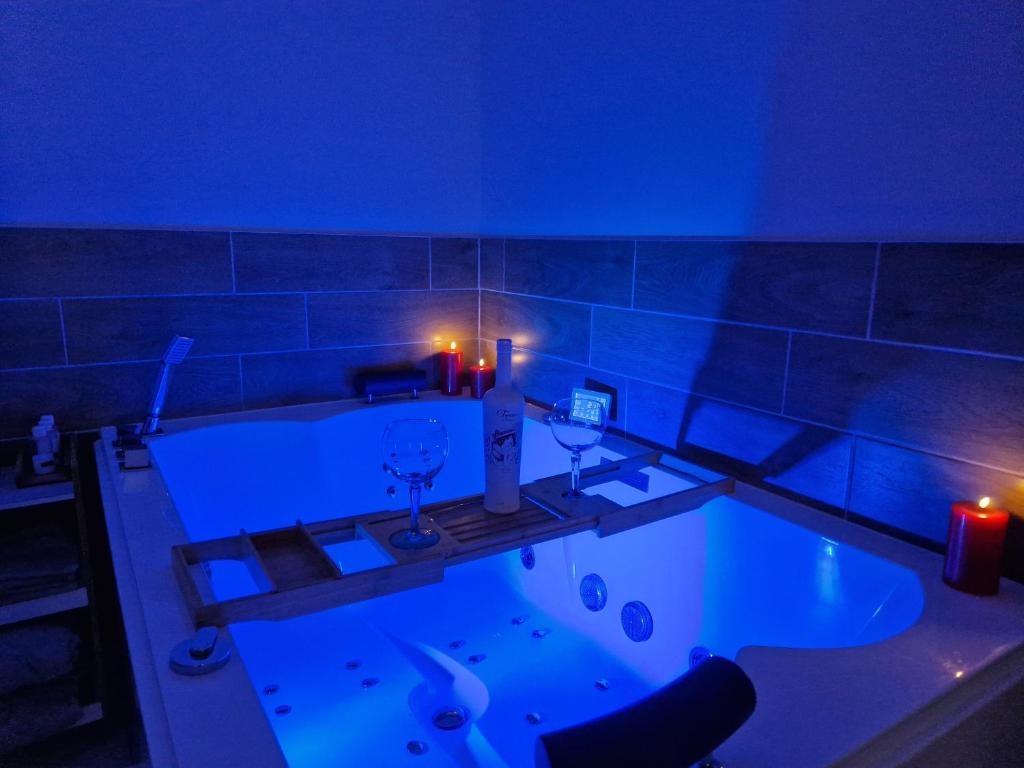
(297,576)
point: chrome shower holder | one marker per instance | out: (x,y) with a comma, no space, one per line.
(132,451)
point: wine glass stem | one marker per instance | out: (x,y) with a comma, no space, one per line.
(414,507)
(577,458)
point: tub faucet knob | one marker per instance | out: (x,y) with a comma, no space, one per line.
(200,654)
(202,643)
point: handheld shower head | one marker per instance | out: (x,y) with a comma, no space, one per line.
(176,352)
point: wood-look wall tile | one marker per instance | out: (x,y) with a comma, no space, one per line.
(30,334)
(111,262)
(492,264)
(104,330)
(958,405)
(293,262)
(368,318)
(596,271)
(964,295)
(812,286)
(737,363)
(546,326)
(289,378)
(913,491)
(85,397)
(453,262)
(547,380)
(754,446)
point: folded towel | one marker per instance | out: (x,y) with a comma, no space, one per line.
(35,653)
(676,726)
(36,712)
(44,550)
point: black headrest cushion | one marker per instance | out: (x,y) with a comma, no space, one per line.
(674,727)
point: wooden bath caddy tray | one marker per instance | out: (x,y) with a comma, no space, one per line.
(296,576)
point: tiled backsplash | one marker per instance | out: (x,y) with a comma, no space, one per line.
(277,318)
(881,381)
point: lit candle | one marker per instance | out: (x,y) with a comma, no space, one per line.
(451,371)
(481,378)
(974,547)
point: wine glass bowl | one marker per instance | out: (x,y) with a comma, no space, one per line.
(577,429)
(414,452)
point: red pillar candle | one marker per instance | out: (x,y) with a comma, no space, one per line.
(974,547)
(481,378)
(451,371)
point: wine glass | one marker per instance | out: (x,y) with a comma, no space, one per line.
(578,425)
(414,452)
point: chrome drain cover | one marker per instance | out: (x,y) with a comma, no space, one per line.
(451,718)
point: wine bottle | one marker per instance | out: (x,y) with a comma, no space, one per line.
(503,437)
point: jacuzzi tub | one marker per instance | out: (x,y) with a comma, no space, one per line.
(844,632)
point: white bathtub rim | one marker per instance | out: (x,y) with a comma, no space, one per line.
(181,739)
(147,689)
(167,740)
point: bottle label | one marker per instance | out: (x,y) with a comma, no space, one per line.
(502,444)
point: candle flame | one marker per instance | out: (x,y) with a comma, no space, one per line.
(481,362)
(959,674)
(452,346)
(984,502)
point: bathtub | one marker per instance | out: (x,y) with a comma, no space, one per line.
(858,652)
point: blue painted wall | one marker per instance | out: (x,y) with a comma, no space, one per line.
(789,119)
(786,119)
(272,114)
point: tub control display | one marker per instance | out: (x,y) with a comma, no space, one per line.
(587,404)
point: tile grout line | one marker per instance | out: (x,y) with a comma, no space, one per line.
(305,303)
(231,248)
(780,328)
(849,478)
(504,260)
(785,373)
(219,356)
(241,382)
(63,331)
(632,295)
(657,313)
(590,338)
(623,401)
(874,289)
(479,346)
(220,294)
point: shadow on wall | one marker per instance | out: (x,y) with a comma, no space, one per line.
(759,291)
(751,397)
